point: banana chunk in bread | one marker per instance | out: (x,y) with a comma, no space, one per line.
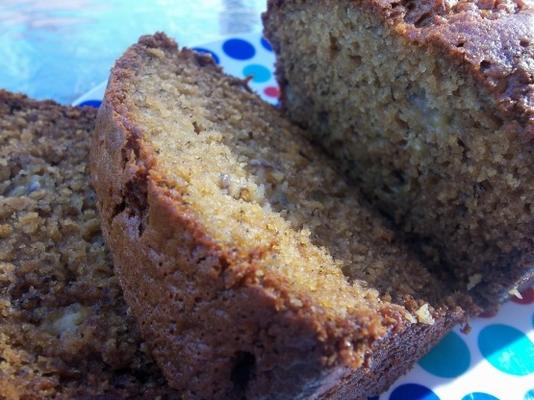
(429,107)
(253,269)
(65,331)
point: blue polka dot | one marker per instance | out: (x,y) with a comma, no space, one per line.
(266,44)
(90,103)
(529,395)
(412,391)
(479,396)
(206,51)
(449,358)
(507,349)
(258,72)
(239,49)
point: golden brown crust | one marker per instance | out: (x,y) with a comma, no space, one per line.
(218,328)
(491,40)
(198,268)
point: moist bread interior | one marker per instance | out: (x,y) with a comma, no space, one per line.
(412,126)
(255,188)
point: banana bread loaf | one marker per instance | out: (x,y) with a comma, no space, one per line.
(65,331)
(253,269)
(429,106)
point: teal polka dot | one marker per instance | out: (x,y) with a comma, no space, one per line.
(479,396)
(258,72)
(449,358)
(507,349)
(529,395)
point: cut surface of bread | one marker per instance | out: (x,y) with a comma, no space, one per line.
(429,108)
(65,330)
(253,269)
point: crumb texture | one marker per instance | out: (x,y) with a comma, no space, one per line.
(244,227)
(65,331)
(255,184)
(439,132)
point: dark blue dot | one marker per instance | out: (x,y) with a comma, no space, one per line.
(266,44)
(239,49)
(412,391)
(90,103)
(373,398)
(206,51)
(479,396)
(529,395)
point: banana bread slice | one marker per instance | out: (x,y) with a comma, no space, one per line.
(65,331)
(429,107)
(253,269)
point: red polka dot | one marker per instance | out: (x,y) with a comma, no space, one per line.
(272,91)
(528,297)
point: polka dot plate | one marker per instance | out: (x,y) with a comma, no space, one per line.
(243,56)
(495,361)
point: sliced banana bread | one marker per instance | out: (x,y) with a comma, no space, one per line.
(253,269)
(429,106)
(65,331)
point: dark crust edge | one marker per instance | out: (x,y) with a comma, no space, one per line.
(22,101)
(470,42)
(516,273)
(302,352)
